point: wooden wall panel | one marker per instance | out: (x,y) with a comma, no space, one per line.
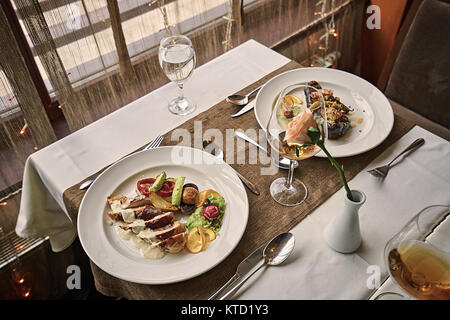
(376,44)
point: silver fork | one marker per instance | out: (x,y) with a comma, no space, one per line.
(152,145)
(382,172)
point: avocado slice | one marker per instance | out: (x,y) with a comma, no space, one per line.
(178,191)
(157,185)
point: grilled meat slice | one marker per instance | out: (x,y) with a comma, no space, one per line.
(161,233)
(154,219)
(160,221)
(148,212)
(139,201)
(127,203)
(173,244)
(122,200)
(173,230)
(140,205)
(117,216)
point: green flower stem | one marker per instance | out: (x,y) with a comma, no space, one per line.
(315,136)
(338,167)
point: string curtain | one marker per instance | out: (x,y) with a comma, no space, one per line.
(24,125)
(96,56)
(99,55)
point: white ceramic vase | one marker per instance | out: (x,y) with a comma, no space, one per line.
(342,234)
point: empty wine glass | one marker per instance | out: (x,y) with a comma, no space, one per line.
(177,59)
(297,108)
(418,256)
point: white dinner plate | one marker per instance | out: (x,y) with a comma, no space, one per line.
(372,118)
(119,257)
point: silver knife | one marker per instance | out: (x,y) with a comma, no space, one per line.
(243,268)
(249,106)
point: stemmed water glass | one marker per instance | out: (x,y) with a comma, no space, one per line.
(177,59)
(297,108)
(418,256)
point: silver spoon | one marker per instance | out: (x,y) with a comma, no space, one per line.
(241,100)
(275,252)
(283,163)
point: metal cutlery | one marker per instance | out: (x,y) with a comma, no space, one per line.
(243,268)
(245,109)
(152,145)
(382,171)
(274,253)
(283,163)
(214,149)
(241,100)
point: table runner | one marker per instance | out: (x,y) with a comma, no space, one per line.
(266,217)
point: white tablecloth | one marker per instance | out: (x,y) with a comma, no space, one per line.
(313,271)
(50,171)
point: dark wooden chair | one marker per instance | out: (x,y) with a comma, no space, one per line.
(416,75)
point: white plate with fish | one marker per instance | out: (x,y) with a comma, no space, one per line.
(371,117)
(119,256)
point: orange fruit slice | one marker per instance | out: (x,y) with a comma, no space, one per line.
(210,235)
(195,242)
(203,195)
(290,100)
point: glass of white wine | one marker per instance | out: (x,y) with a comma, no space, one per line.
(418,256)
(297,108)
(177,59)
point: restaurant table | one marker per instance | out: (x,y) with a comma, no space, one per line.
(53,169)
(313,271)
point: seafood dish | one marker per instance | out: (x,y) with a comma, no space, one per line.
(338,122)
(337,112)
